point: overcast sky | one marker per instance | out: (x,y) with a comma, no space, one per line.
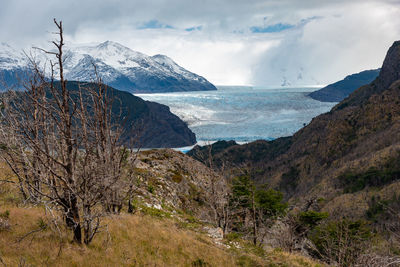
(231,42)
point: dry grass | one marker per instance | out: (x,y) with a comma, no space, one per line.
(280,258)
(131,240)
(128,240)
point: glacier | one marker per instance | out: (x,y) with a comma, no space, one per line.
(243,114)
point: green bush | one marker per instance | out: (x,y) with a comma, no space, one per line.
(233,236)
(312,218)
(41,223)
(155,212)
(271,202)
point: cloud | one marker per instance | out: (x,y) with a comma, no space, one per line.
(227,41)
(329,48)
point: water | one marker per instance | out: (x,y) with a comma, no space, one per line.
(243,114)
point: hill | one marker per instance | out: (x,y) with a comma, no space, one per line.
(347,157)
(338,91)
(152,125)
(166,230)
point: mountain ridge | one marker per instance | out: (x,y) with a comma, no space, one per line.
(359,136)
(153,123)
(118,66)
(145,124)
(338,91)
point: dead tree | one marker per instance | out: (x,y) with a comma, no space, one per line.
(64,145)
(219,191)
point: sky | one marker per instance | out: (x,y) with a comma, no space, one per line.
(229,42)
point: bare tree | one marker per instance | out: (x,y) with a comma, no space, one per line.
(64,145)
(342,242)
(219,191)
(374,260)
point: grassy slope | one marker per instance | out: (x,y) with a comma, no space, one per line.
(131,240)
(128,240)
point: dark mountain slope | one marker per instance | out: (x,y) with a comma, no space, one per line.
(360,134)
(230,153)
(148,124)
(158,127)
(390,73)
(340,90)
(11,79)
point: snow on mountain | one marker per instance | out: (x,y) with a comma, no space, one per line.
(120,67)
(10,58)
(130,70)
(173,67)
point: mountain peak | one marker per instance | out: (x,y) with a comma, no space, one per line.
(3,44)
(390,69)
(120,67)
(106,43)
(110,44)
(163,59)
(390,72)
(160,56)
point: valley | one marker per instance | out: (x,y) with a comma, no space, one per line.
(112,157)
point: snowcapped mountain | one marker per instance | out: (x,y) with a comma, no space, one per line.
(118,66)
(12,67)
(10,58)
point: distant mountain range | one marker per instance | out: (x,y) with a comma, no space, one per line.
(338,91)
(118,66)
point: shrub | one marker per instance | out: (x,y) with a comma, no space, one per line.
(41,223)
(176,176)
(341,242)
(271,202)
(247,261)
(5,215)
(150,188)
(4,224)
(233,236)
(200,263)
(312,218)
(373,177)
(155,212)
(376,208)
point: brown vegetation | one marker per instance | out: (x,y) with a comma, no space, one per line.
(142,239)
